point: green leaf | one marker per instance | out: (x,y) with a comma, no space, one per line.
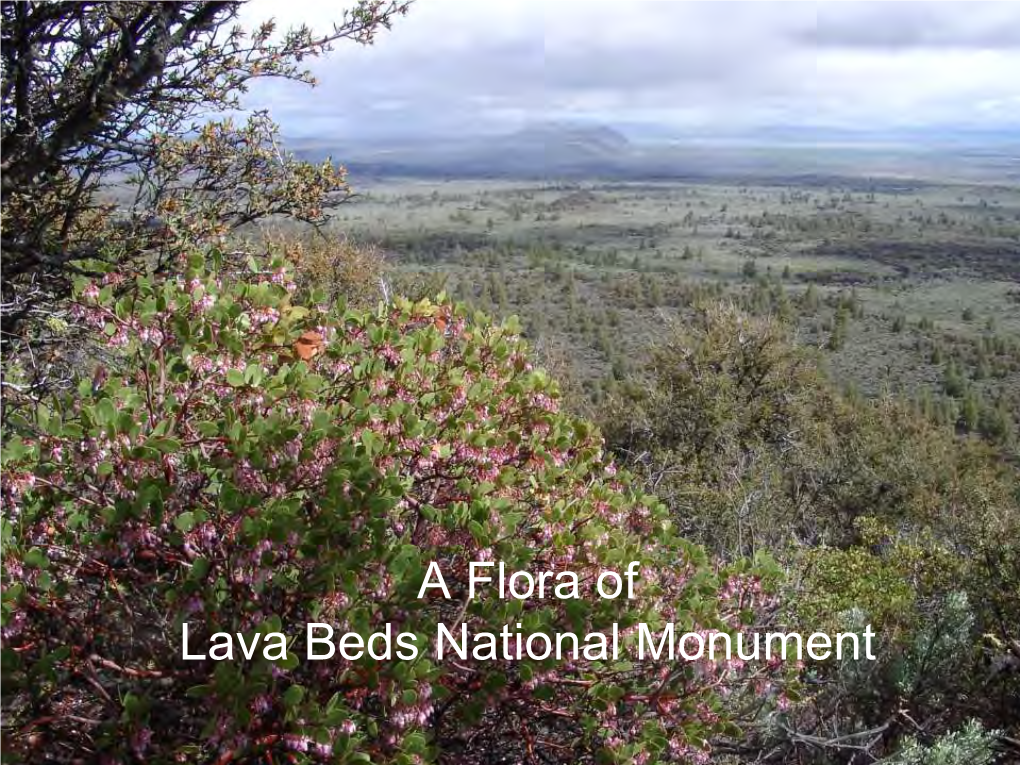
(134,706)
(252,374)
(105,413)
(185,522)
(477,532)
(199,568)
(208,429)
(373,443)
(292,697)
(235,378)
(164,445)
(36,558)
(15,449)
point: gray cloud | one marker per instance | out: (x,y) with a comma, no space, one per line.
(492,65)
(906,26)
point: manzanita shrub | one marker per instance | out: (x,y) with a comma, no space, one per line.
(217,477)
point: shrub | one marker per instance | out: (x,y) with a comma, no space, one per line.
(872,508)
(123,96)
(341,269)
(252,465)
(971,745)
(721,400)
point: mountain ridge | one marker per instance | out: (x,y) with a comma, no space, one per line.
(585,150)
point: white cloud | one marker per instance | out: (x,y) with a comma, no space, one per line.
(475,64)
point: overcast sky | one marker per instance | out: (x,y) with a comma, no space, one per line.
(711,66)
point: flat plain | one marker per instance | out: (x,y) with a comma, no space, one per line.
(903,286)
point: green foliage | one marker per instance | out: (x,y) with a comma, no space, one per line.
(97,90)
(254,464)
(837,339)
(971,745)
(881,517)
(719,399)
(953,381)
(835,581)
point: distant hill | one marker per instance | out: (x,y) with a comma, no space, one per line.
(538,150)
(571,150)
(564,139)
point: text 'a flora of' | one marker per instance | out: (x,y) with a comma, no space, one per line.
(522,585)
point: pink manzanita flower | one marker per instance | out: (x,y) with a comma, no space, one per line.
(140,741)
(113,278)
(261,316)
(17,622)
(118,339)
(390,353)
(151,335)
(261,704)
(19,483)
(193,605)
(199,363)
(205,303)
(298,743)
(322,749)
